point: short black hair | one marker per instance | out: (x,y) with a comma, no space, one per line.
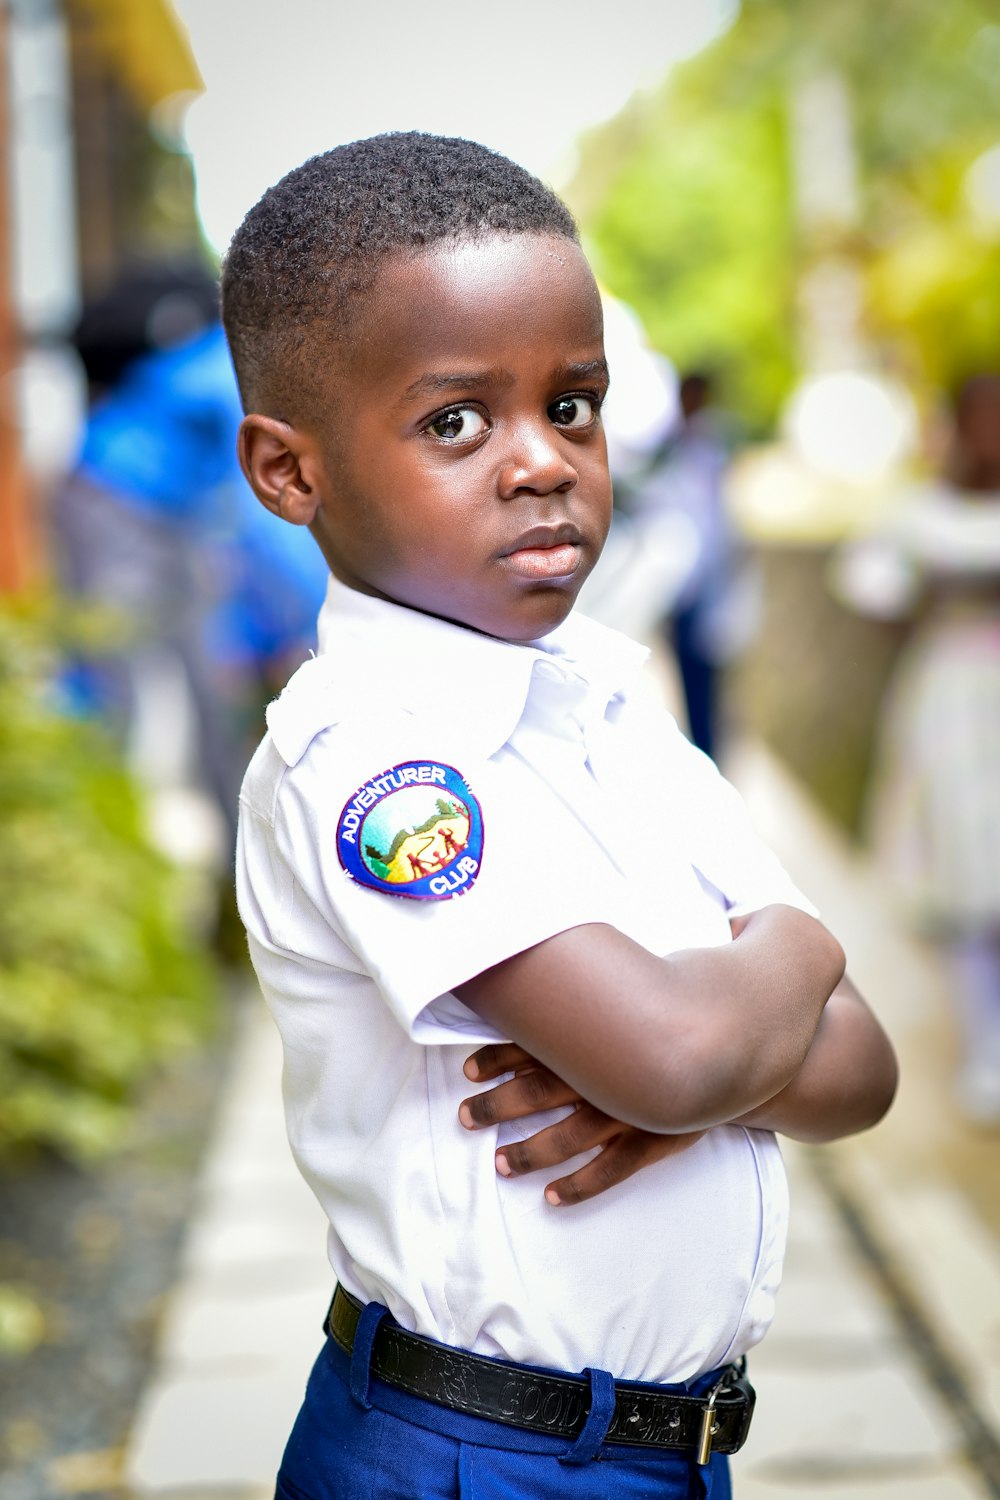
(316,241)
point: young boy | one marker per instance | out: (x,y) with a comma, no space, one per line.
(468,826)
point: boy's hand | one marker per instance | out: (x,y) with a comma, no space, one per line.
(624,1148)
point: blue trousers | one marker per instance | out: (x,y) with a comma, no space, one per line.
(357,1438)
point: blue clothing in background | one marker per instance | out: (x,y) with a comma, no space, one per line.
(158,524)
(163,445)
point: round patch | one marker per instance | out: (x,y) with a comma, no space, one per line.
(414,830)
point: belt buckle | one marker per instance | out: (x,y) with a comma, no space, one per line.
(709,1426)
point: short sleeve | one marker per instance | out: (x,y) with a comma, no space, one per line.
(724,847)
(535,876)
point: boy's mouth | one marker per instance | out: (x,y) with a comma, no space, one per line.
(546,552)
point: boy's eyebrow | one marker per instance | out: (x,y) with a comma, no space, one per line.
(437,382)
(584,370)
(434,382)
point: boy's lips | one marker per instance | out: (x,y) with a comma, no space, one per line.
(546,552)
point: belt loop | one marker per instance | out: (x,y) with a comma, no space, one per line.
(595,1428)
(361,1354)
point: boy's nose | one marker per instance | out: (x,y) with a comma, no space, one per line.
(536,463)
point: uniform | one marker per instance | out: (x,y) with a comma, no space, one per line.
(427,802)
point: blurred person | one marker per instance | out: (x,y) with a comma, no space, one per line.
(644,562)
(935,804)
(150,305)
(157,522)
(711,613)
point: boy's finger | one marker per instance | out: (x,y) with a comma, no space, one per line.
(621,1158)
(526,1094)
(584,1129)
(496,1058)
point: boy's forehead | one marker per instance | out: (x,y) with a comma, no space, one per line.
(477,295)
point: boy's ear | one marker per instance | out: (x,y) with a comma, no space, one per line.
(271,453)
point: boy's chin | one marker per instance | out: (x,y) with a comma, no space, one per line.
(529,619)
(534,626)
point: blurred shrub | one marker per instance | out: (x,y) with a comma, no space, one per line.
(22,1321)
(100,976)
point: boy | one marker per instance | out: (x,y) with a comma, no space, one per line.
(465,826)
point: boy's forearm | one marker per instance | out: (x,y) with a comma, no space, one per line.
(846,1082)
(669,1044)
(752,1009)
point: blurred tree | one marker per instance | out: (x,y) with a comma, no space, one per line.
(693,231)
(692,199)
(934,289)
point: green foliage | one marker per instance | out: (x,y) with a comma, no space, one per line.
(693,233)
(688,201)
(934,292)
(100,977)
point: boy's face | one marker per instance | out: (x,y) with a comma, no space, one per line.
(463,469)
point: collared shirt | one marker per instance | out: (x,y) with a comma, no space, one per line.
(594,809)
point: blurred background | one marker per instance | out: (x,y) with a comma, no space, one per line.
(793,210)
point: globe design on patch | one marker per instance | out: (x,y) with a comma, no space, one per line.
(414,833)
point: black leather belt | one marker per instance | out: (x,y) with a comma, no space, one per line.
(717,1421)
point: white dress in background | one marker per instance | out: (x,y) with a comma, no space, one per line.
(936,786)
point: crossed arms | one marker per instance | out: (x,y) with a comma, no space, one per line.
(765,1031)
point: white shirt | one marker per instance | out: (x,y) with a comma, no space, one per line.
(594,808)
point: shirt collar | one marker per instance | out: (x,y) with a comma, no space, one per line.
(372,650)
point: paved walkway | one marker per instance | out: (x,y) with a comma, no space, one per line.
(881,1376)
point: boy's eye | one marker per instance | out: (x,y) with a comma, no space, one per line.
(458,425)
(573,411)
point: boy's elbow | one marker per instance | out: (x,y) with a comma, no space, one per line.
(829,961)
(812,952)
(884,1085)
(861,1108)
(838,961)
(875,1068)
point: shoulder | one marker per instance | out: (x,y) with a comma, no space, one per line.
(388,787)
(344,715)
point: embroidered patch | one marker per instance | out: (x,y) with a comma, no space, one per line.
(414,830)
